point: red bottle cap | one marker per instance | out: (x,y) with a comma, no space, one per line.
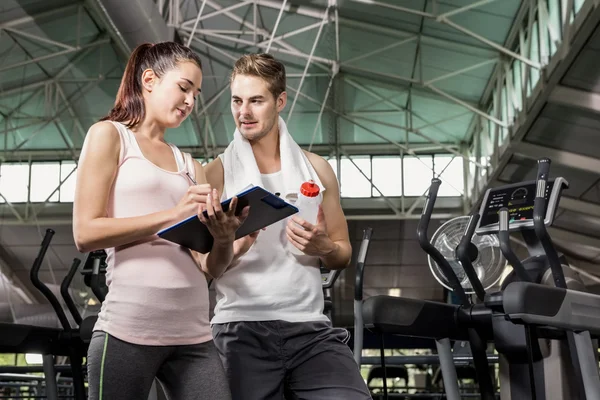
(310,189)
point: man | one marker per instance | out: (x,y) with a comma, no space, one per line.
(269,325)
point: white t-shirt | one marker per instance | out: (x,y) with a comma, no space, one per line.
(268,282)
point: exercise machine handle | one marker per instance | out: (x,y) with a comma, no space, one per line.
(504,236)
(431,250)
(539,213)
(34,275)
(98,291)
(358,295)
(360,263)
(462,251)
(64,291)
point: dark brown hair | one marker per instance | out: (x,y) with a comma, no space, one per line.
(264,66)
(160,58)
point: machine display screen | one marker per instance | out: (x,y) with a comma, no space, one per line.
(519,200)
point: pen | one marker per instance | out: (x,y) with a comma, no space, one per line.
(191,179)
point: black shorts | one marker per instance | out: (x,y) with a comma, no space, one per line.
(270,360)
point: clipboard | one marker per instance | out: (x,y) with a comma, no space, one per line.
(265,209)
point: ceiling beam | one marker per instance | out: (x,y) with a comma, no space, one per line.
(568,159)
(36,17)
(317,13)
(551,79)
(579,206)
(577,98)
(572,237)
(384,149)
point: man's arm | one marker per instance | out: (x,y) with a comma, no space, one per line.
(215,175)
(219,258)
(337,227)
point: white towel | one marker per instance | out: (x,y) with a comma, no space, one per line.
(242,171)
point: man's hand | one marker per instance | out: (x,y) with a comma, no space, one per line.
(311,239)
(221,224)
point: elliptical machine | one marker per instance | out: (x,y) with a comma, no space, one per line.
(531,364)
(441,322)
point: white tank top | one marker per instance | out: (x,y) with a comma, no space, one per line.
(268,282)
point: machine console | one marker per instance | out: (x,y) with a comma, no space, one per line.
(519,199)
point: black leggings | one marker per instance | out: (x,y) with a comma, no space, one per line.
(120,370)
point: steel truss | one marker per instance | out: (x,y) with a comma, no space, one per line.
(482,154)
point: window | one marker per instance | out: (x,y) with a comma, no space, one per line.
(504,108)
(510,98)
(67,190)
(554,24)
(563,9)
(544,39)
(387,176)
(517,84)
(14,179)
(534,55)
(333,162)
(417,173)
(354,184)
(452,175)
(45,178)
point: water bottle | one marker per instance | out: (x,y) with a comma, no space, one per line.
(308,203)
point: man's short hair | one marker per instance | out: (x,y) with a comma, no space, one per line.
(264,66)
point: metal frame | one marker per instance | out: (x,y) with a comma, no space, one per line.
(345,72)
(340,71)
(495,134)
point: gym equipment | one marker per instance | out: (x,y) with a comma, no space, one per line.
(531,368)
(328,278)
(358,295)
(50,342)
(487,259)
(433,320)
(518,345)
(531,303)
(94,273)
(475,332)
(526,361)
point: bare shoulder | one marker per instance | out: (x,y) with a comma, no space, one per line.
(214,173)
(103,138)
(104,130)
(323,169)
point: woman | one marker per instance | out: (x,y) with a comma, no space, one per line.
(131,183)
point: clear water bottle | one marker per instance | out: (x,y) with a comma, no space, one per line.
(308,203)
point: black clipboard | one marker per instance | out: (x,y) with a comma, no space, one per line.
(265,209)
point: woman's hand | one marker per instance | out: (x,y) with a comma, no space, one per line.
(188,205)
(221,224)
